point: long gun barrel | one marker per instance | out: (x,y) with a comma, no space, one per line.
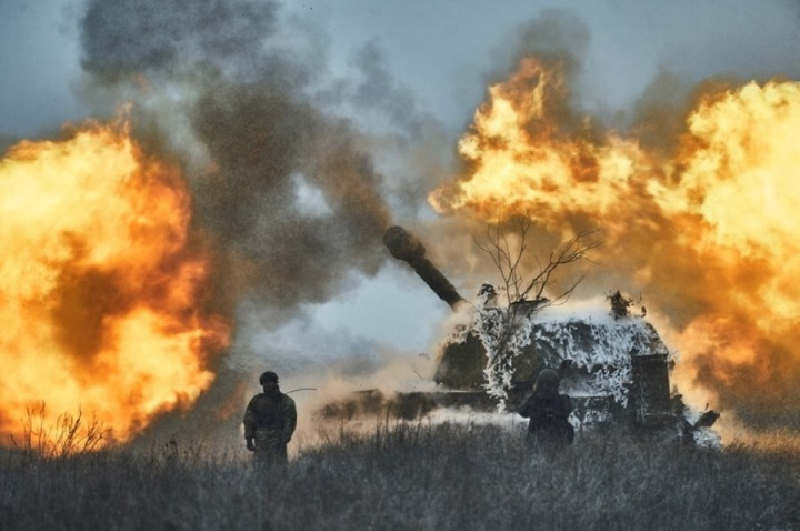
(404,246)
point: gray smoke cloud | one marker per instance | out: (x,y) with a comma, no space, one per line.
(149,37)
(249,106)
(283,187)
(267,148)
(376,90)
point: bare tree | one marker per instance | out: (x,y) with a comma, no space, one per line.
(529,286)
(523,285)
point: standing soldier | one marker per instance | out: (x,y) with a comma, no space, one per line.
(549,411)
(269,422)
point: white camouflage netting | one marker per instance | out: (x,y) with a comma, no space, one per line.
(599,344)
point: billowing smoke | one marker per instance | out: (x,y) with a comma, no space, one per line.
(280,185)
(266,143)
(267,150)
(163,39)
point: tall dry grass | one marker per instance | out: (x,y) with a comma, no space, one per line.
(406,476)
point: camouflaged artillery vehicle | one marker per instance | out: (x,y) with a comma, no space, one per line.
(616,368)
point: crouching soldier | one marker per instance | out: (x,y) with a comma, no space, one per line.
(549,427)
(269,422)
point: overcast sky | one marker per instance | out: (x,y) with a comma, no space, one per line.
(438,53)
(438,48)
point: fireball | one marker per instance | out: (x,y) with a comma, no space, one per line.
(102,284)
(707,231)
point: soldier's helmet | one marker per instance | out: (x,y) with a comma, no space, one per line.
(547,381)
(268,376)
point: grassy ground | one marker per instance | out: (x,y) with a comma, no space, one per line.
(419,476)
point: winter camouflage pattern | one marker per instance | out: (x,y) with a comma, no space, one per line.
(270,422)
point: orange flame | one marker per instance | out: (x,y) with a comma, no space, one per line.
(521,158)
(708,231)
(100,287)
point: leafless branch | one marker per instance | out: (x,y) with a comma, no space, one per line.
(536,284)
(570,252)
(509,264)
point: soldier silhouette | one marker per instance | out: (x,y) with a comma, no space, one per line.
(269,422)
(549,428)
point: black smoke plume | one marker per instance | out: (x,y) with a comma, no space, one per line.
(249,107)
(280,185)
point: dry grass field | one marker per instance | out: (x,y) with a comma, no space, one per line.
(407,477)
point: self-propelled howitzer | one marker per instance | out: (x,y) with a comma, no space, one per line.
(616,369)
